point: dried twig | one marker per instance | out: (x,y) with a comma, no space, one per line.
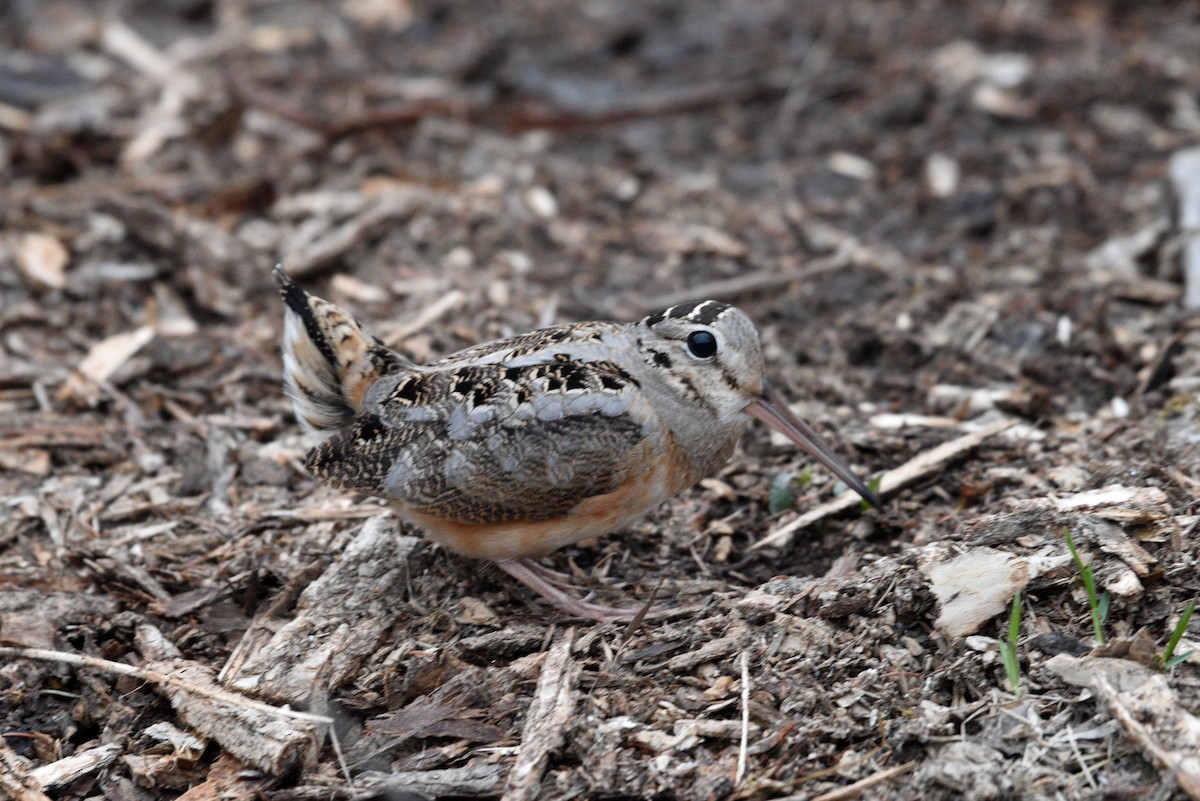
(76,766)
(920,466)
(856,789)
(744,745)
(320,513)
(515,117)
(451,301)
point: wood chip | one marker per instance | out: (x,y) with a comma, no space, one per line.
(43,259)
(227,779)
(29,628)
(1152,715)
(975,586)
(473,781)
(547,720)
(33,461)
(76,766)
(105,358)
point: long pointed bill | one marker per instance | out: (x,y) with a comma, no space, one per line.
(771,408)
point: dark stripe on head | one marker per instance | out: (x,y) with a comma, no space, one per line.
(704,312)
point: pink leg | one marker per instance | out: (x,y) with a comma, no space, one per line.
(560,580)
(549,584)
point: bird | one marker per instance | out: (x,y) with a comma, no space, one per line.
(512,449)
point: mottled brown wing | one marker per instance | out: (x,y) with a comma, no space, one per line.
(469,445)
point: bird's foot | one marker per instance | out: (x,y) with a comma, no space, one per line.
(559,579)
(553,585)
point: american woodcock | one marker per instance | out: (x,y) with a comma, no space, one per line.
(515,448)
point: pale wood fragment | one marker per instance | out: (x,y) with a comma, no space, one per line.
(547,720)
(273,740)
(76,766)
(1144,704)
(15,781)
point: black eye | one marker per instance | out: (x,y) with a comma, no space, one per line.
(702,344)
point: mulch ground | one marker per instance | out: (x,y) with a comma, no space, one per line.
(955,225)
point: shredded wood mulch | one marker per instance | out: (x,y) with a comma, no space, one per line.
(966,231)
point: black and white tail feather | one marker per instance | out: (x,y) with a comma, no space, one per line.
(328,359)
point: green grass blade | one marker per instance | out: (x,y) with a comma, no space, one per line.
(1179,659)
(1014,620)
(872,485)
(1008,650)
(1168,657)
(1098,605)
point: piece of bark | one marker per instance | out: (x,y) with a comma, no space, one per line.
(270,742)
(341,618)
(735,639)
(226,779)
(547,720)
(1142,701)
(425,718)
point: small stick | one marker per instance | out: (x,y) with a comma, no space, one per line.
(743,747)
(921,465)
(447,303)
(856,789)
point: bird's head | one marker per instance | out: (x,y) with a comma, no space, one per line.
(709,354)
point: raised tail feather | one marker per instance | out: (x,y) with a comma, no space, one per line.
(328,359)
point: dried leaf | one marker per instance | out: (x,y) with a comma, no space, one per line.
(43,259)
